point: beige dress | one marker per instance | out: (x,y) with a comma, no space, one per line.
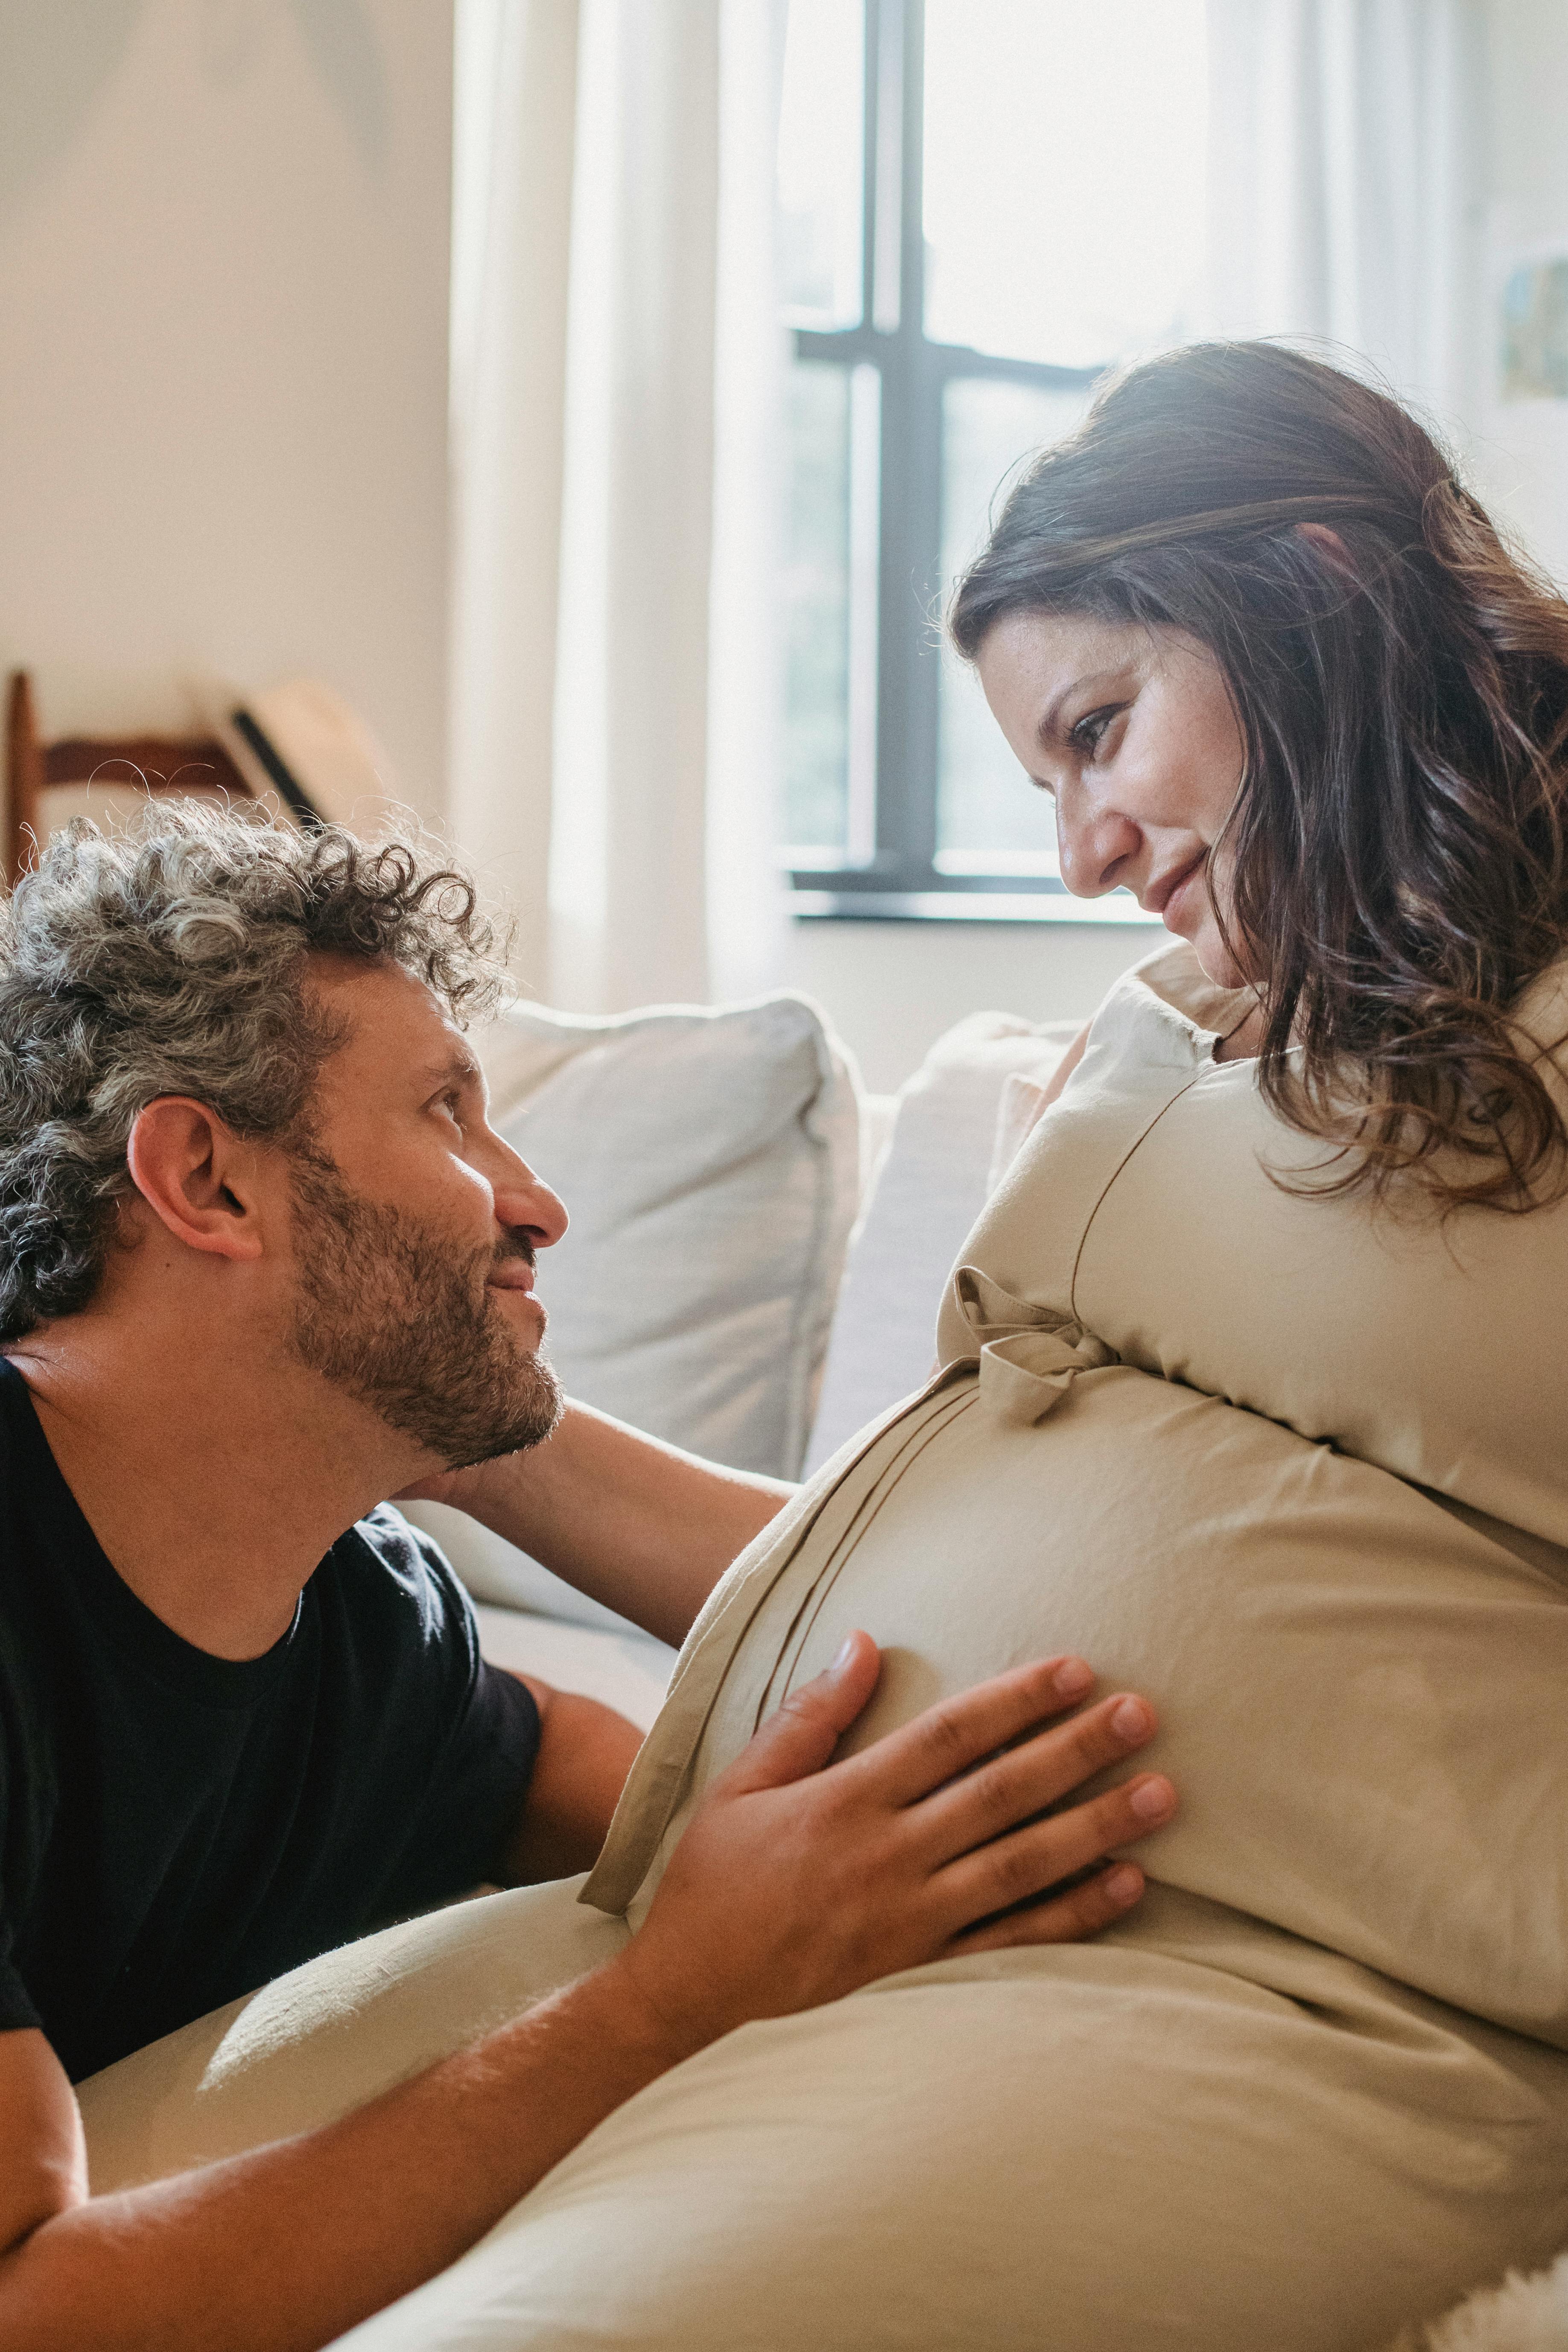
(1296,1468)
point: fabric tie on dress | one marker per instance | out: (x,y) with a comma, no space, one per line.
(1029,1356)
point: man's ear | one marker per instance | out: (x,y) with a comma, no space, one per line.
(197,1177)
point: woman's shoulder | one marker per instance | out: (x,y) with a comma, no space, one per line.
(1164,1010)
(1173,976)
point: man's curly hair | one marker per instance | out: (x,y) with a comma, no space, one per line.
(170,959)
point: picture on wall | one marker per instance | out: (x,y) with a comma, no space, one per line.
(1533,330)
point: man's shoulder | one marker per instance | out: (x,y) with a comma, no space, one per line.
(17,1428)
(385,1566)
(396,1547)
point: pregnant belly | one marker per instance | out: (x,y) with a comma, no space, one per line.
(1362,1697)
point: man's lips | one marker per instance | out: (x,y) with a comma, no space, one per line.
(1156,899)
(511,1274)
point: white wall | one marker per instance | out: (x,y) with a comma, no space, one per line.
(223,260)
(892,988)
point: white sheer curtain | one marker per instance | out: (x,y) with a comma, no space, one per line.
(1344,201)
(615,385)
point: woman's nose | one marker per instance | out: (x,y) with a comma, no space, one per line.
(1094,844)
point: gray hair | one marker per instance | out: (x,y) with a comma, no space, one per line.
(170,959)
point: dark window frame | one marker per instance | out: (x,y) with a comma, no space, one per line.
(901,880)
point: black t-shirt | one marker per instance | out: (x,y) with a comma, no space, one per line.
(177,1829)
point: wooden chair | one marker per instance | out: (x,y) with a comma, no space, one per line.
(192,765)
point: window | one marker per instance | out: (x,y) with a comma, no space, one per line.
(981,210)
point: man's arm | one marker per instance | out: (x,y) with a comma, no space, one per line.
(585,1751)
(636,1524)
(792,1885)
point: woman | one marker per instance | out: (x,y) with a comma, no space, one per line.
(1251,1389)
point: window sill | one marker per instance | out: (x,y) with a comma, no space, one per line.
(1118,906)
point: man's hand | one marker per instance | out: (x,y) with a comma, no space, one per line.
(793,1884)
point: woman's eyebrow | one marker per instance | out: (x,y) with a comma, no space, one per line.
(1052,716)
(1050,719)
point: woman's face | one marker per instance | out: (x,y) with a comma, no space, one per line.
(1132,731)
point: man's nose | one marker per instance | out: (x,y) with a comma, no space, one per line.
(525,1204)
(1094,844)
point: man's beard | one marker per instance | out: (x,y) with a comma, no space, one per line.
(387,1311)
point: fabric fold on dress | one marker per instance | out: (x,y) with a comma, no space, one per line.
(1029,1356)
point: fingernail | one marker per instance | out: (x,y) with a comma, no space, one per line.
(1123,1884)
(1130,1719)
(845,1652)
(1153,1799)
(1071,1678)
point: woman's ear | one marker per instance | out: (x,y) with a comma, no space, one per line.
(197,1177)
(1330,544)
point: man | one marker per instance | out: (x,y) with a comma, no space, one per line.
(262,1263)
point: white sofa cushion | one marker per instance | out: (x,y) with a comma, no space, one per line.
(619,1666)
(931,1186)
(709,1162)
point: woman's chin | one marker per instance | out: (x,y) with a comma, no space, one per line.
(1216,960)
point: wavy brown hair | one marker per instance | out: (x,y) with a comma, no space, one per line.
(1397,845)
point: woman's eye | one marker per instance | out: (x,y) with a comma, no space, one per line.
(1090,729)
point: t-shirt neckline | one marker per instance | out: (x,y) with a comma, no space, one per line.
(68,1540)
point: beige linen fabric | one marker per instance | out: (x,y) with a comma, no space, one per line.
(1318,2084)
(329,2036)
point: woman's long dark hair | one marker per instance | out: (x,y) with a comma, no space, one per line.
(1398,843)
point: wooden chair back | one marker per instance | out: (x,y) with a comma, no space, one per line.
(191,765)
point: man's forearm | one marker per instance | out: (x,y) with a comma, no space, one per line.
(282,2250)
(796,1881)
(636,1524)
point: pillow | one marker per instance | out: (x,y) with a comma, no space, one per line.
(710,1163)
(932,1184)
(1019,1112)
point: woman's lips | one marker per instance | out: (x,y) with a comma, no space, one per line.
(1171,902)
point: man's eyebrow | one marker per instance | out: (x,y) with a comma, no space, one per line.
(460,1064)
